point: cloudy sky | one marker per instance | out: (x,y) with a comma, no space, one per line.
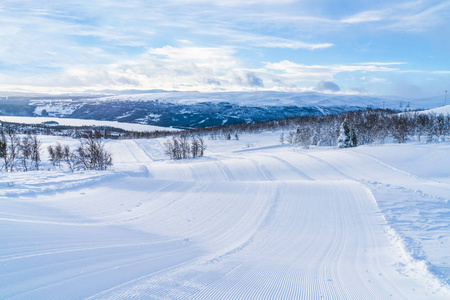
(381,47)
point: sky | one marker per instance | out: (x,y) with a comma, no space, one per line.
(383,47)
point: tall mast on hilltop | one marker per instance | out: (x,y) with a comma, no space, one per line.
(445,101)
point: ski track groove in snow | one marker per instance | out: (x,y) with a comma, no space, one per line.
(292,168)
(398,178)
(244,225)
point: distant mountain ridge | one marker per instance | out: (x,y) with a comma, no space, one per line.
(194,109)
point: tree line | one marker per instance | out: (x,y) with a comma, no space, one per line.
(363,127)
(343,130)
(348,129)
(368,127)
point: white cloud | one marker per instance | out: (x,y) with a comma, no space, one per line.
(316,73)
(252,39)
(373,79)
(201,55)
(410,16)
(381,63)
(366,16)
(327,86)
(192,68)
(234,3)
(274,42)
(422,19)
(189,68)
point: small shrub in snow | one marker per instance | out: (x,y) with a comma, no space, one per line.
(183,147)
(19,154)
(55,154)
(29,152)
(3,148)
(282,138)
(400,128)
(89,155)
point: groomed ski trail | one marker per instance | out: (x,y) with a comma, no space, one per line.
(253,225)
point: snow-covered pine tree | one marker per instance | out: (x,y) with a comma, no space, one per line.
(303,136)
(343,140)
(353,139)
(347,136)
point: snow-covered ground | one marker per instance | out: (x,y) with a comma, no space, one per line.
(82,122)
(445,110)
(252,219)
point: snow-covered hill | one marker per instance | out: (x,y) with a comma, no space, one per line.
(252,219)
(445,110)
(193,109)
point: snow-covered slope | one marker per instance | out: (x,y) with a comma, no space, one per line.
(272,98)
(194,109)
(445,110)
(250,220)
(82,122)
